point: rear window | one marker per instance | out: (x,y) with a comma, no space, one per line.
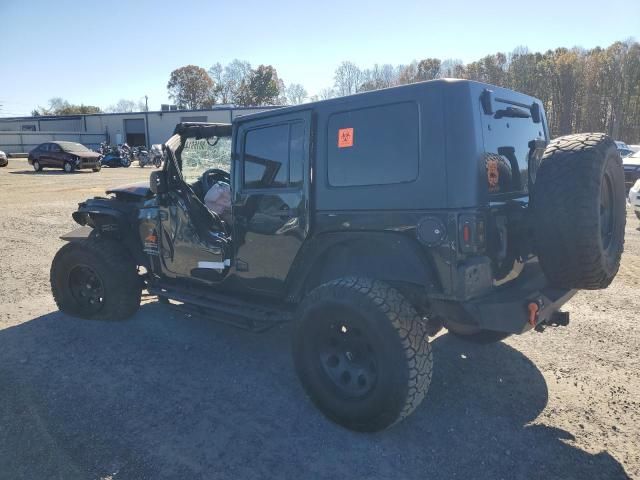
(510,136)
(374,146)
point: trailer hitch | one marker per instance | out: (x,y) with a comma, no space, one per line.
(557,319)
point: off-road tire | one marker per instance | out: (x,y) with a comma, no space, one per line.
(574,248)
(395,332)
(118,272)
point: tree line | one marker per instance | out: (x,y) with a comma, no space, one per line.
(582,89)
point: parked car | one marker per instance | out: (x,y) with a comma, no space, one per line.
(69,156)
(4,161)
(634,198)
(372,221)
(631,166)
(623,149)
(634,148)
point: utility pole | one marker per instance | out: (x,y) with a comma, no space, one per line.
(146,120)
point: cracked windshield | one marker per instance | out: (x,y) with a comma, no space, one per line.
(201,155)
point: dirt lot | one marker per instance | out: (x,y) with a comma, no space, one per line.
(166,395)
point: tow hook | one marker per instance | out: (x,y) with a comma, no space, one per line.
(558,319)
(533,308)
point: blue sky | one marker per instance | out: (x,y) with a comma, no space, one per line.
(97,52)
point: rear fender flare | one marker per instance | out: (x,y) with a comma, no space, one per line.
(392,257)
(110,222)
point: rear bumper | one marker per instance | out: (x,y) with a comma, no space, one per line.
(630,177)
(505,309)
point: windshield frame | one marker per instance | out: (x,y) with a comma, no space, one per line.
(176,144)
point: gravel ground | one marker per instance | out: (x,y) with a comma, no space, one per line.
(166,395)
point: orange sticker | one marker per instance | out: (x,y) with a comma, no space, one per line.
(345,137)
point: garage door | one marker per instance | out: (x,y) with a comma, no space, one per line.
(135,132)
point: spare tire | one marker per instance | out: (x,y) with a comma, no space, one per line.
(578,201)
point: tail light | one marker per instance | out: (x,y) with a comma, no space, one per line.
(471,233)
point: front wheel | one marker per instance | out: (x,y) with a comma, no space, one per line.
(68,167)
(97,167)
(362,353)
(125,162)
(95,279)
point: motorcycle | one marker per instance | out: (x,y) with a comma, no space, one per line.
(156,155)
(118,157)
(142,155)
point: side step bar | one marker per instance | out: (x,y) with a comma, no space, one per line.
(247,315)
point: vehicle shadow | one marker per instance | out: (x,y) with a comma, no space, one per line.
(48,172)
(167,395)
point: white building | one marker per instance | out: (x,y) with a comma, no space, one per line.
(21,134)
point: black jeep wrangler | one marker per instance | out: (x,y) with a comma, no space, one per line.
(372,221)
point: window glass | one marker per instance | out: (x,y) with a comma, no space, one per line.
(374,146)
(201,155)
(44,147)
(266,157)
(509,137)
(54,148)
(296,154)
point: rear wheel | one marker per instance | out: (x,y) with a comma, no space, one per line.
(95,279)
(68,167)
(36,166)
(97,168)
(579,210)
(362,353)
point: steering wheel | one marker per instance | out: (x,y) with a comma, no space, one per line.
(213,175)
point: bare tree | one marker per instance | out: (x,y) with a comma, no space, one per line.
(123,106)
(295,94)
(327,93)
(237,72)
(451,68)
(348,78)
(378,77)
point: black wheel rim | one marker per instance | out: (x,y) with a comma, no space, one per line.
(86,288)
(606,211)
(348,358)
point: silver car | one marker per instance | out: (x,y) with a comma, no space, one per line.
(3,159)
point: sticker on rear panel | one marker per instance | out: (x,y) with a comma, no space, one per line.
(151,243)
(345,137)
